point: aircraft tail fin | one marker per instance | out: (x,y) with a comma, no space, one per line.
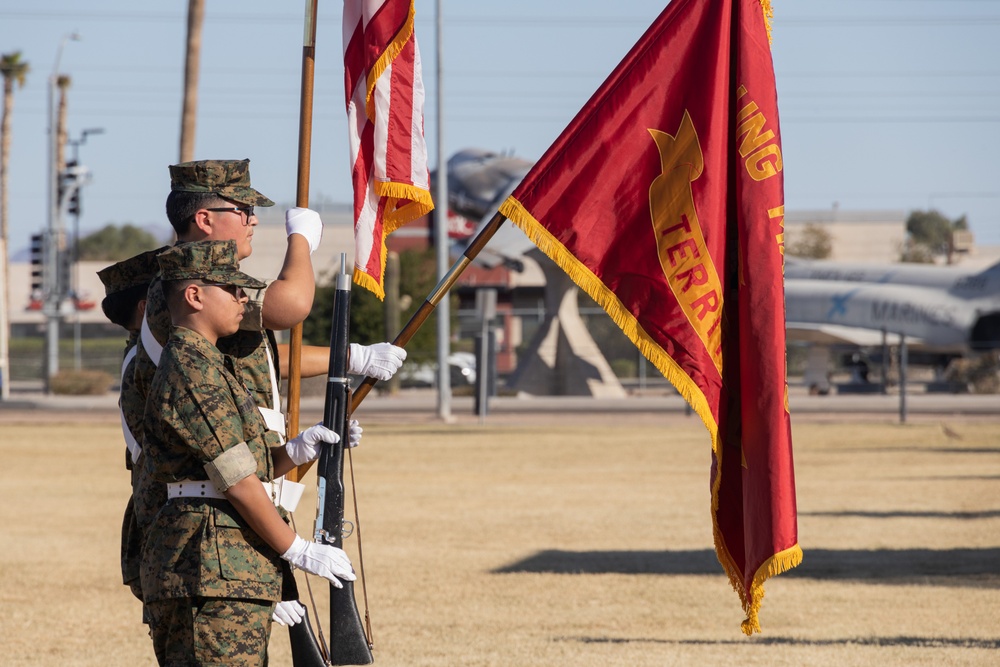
(993,269)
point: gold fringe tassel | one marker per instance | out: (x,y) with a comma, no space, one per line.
(776,564)
(765,5)
(420,203)
(363,279)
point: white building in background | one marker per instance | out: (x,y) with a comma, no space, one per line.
(876,236)
(856,236)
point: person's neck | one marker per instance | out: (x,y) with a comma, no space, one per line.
(195,325)
(193,234)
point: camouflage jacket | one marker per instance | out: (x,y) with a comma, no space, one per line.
(133,408)
(249,348)
(196,410)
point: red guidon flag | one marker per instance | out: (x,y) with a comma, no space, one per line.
(663,199)
(385,115)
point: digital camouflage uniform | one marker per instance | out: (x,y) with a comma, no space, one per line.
(201,560)
(131,535)
(249,347)
(117,279)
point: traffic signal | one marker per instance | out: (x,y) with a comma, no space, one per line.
(64,272)
(70,184)
(37,262)
(74,203)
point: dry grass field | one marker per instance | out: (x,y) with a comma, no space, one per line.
(578,539)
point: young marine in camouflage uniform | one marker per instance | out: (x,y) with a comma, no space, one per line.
(211,571)
(213,200)
(125,286)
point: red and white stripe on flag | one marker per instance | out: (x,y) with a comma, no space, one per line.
(385,115)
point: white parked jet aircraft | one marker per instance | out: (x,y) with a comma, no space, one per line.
(943,312)
(945,309)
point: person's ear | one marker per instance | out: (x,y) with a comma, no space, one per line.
(138,315)
(193,297)
(203,221)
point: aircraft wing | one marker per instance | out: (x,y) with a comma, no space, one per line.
(836,334)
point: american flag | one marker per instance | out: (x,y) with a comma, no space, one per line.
(385,114)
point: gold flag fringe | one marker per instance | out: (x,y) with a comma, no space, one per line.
(419,202)
(390,53)
(765,5)
(689,390)
(364,280)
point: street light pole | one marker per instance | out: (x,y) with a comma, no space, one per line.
(52,298)
(82,178)
(441,237)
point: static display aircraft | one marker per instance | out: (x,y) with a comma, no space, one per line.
(478,182)
(943,313)
(947,309)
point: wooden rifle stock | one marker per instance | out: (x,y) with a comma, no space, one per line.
(349,644)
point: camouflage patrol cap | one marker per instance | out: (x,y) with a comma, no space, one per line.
(226,178)
(131,272)
(209,261)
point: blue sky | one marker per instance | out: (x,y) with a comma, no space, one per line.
(884,104)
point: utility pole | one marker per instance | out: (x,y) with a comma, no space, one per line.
(54,232)
(76,175)
(441,236)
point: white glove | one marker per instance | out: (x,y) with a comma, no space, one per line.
(380,361)
(288,612)
(354,432)
(322,560)
(306,446)
(306,222)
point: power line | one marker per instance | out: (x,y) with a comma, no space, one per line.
(524,21)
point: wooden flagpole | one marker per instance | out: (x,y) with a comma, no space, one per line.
(438,293)
(301,200)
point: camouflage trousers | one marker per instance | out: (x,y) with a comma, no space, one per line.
(210,631)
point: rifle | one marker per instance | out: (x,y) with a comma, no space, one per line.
(349,638)
(349,645)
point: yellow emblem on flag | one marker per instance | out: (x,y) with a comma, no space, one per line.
(684,257)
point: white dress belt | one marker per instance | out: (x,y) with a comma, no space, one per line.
(282,492)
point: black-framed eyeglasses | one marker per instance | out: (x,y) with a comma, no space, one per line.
(247,210)
(235,291)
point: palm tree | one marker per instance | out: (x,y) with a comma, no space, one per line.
(14,70)
(196,16)
(63,82)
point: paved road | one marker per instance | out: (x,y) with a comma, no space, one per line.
(425,402)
